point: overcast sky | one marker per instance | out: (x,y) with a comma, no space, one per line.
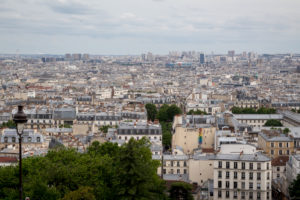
(140,26)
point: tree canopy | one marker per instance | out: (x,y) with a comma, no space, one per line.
(181,190)
(9,124)
(151,111)
(105,171)
(294,188)
(166,113)
(197,112)
(273,122)
(262,110)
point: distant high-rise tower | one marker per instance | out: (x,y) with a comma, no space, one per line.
(202,58)
(231,53)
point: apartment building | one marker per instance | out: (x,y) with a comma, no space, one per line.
(257,121)
(274,143)
(279,166)
(128,130)
(242,176)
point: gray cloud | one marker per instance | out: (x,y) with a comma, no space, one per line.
(205,25)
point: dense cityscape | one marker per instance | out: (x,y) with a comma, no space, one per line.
(186,125)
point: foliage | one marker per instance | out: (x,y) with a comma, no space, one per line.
(273,122)
(151,111)
(105,128)
(65,126)
(83,193)
(166,113)
(166,134)
(181,190)
(8,124)
(295,110)
(294,188)
(106,171)
(286,130)
(197,112)
(262,110)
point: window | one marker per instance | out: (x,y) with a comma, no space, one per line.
(287,152)
(272,152)
(280,152)
(278,169)
(235,175)
(13,139)
(243,185)
(184,171)
(220,174)
(235,184)
(184,163)
(120,137)
(243,165)
(172,171)
(227,194)
(268,195)
(280,144)
(235,194)
(172,163)
(258,166)
(235,165)
(227,174)
(258,195)
(227,184)
(268,185)
(272,144)
(125,137)
(258,186)
(178,171)
(5,139)
(250,195)
(178,164)
(227,165)
(278,175)
(29,139)
(268,176)
(165,171)
(250,165)
(220,184)
(243,195)
(258,176)
(38,139)
(250,185)
(219,193)
(251,175)
(220,164)
(268,165)
(243,175)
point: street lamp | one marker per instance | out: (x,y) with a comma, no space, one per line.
(20,119)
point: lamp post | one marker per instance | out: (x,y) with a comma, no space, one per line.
(20,119)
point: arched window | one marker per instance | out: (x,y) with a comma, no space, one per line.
(38,139)
(5,139)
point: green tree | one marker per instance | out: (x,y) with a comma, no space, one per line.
(166,134)
(172,111)
(151,111)
(286,130)
(273,122)
(294,188)
(181,190)
(112,172)
(83,193)
(197,112)
(137,170)
(162,114)
(105,128)
(8,124)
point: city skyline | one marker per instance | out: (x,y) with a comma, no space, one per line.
(158,26)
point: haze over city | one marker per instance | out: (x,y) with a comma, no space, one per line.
(158,26)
